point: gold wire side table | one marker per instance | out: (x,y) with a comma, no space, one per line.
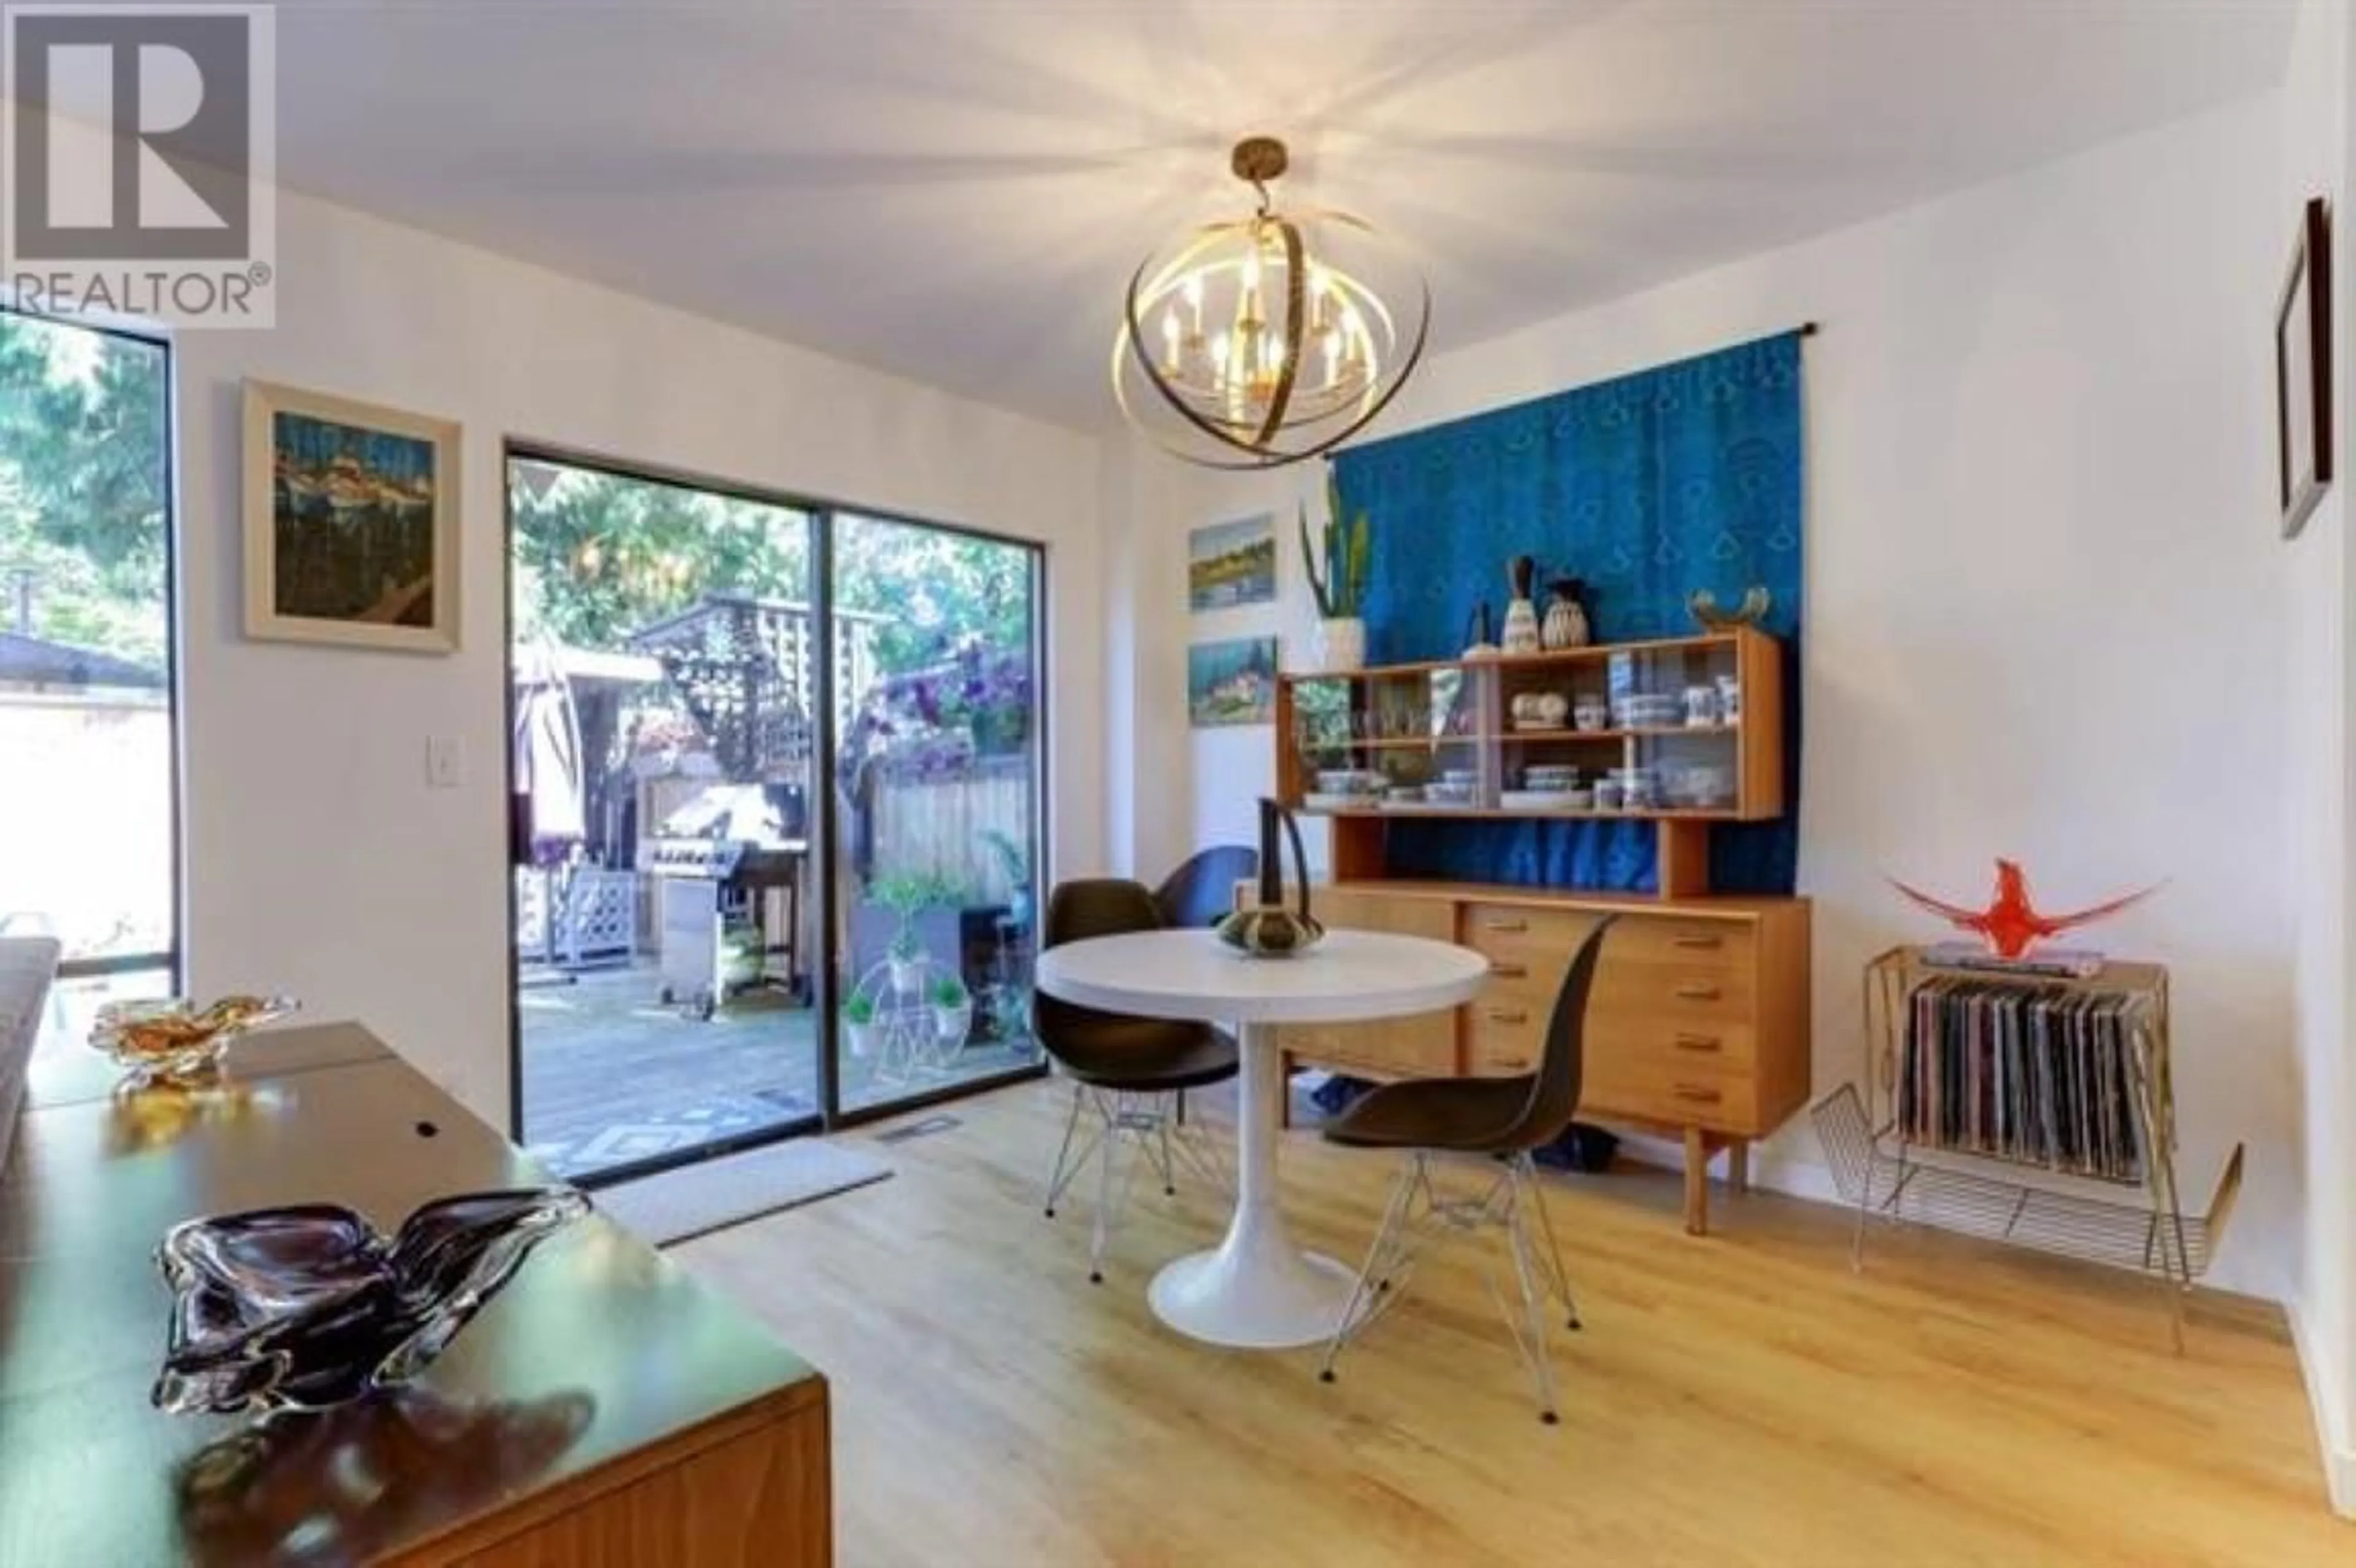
(1881,1166)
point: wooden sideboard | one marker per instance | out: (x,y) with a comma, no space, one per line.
(605,1409)
(1697,1024)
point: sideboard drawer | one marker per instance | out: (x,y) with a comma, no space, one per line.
(1645,1084)
(1700,995)
(1523,933)
(1702,945)
(1504,1033)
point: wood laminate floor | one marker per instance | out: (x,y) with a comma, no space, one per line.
(1741,1400)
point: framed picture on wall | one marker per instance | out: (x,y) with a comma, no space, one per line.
(2303,372)
(1231,682)
(1228,564)
(350,521)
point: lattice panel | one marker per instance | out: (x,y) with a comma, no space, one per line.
(601,922)
(531,914)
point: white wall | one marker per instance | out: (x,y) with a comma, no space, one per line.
(318,861)
(2045,592)
(2314,128)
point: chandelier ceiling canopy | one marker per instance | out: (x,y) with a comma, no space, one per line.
(1268,340)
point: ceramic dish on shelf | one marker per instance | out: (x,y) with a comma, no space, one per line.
(1348,781)
(1539,799)
(1648,711)
(1333,800)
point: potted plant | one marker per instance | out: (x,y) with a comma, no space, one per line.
(952,1010)
(1016,865)
(859,1024)
(1341,589)
(740,954)
(907,896)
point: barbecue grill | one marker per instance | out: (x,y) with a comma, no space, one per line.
(736,851)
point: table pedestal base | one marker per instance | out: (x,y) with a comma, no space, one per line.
(1256,1290)
(1271,1302)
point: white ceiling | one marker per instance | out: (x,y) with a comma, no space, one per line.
(956,190)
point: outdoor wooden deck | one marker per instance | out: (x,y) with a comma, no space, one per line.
(611,1076)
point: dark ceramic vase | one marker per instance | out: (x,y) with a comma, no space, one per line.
(1267,929)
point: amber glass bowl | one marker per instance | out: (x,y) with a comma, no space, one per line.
(171,1040)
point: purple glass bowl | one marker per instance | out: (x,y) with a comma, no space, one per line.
(309,1306)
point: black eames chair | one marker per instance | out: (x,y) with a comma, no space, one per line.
(1127,1071)
(1200,892)
(1505,1118)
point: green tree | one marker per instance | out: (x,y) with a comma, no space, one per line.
(84,486)
(600,556)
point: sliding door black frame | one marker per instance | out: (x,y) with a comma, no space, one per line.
(822,516)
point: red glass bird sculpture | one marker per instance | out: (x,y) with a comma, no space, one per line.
(2011,925)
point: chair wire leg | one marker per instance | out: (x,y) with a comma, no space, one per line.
(1193,1147)
(1060,1178)
(1162,1135)
(1106,1158)
(1530,1339)
(1381,1262)
(1527,1172)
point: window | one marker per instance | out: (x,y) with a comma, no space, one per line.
(89,818)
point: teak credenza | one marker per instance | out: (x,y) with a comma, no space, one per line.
(1699,1024)
(606,1409)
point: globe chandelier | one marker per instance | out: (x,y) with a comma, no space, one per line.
(1251,347)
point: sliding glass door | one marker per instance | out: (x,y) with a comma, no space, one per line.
(937,808)
(701,683)
(664,731)
(89,797)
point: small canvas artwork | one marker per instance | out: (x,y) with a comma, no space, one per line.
(350,523)
(1228,564)
(1231,682)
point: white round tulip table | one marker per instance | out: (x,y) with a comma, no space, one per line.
(1256,1289)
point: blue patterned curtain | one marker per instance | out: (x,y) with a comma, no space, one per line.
(1648,486)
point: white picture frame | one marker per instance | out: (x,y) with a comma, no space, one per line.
(351,522)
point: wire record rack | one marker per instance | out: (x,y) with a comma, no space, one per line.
(2025,1107)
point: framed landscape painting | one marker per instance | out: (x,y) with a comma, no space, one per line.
(1229,564)
(351,523)
(1231,682)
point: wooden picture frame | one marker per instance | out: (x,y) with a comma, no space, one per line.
(351,522)
(2303,454)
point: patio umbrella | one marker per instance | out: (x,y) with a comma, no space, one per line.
(547,743)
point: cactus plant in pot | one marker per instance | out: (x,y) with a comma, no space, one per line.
(1345,547)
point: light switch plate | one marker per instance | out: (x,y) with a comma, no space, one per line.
(446,762)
